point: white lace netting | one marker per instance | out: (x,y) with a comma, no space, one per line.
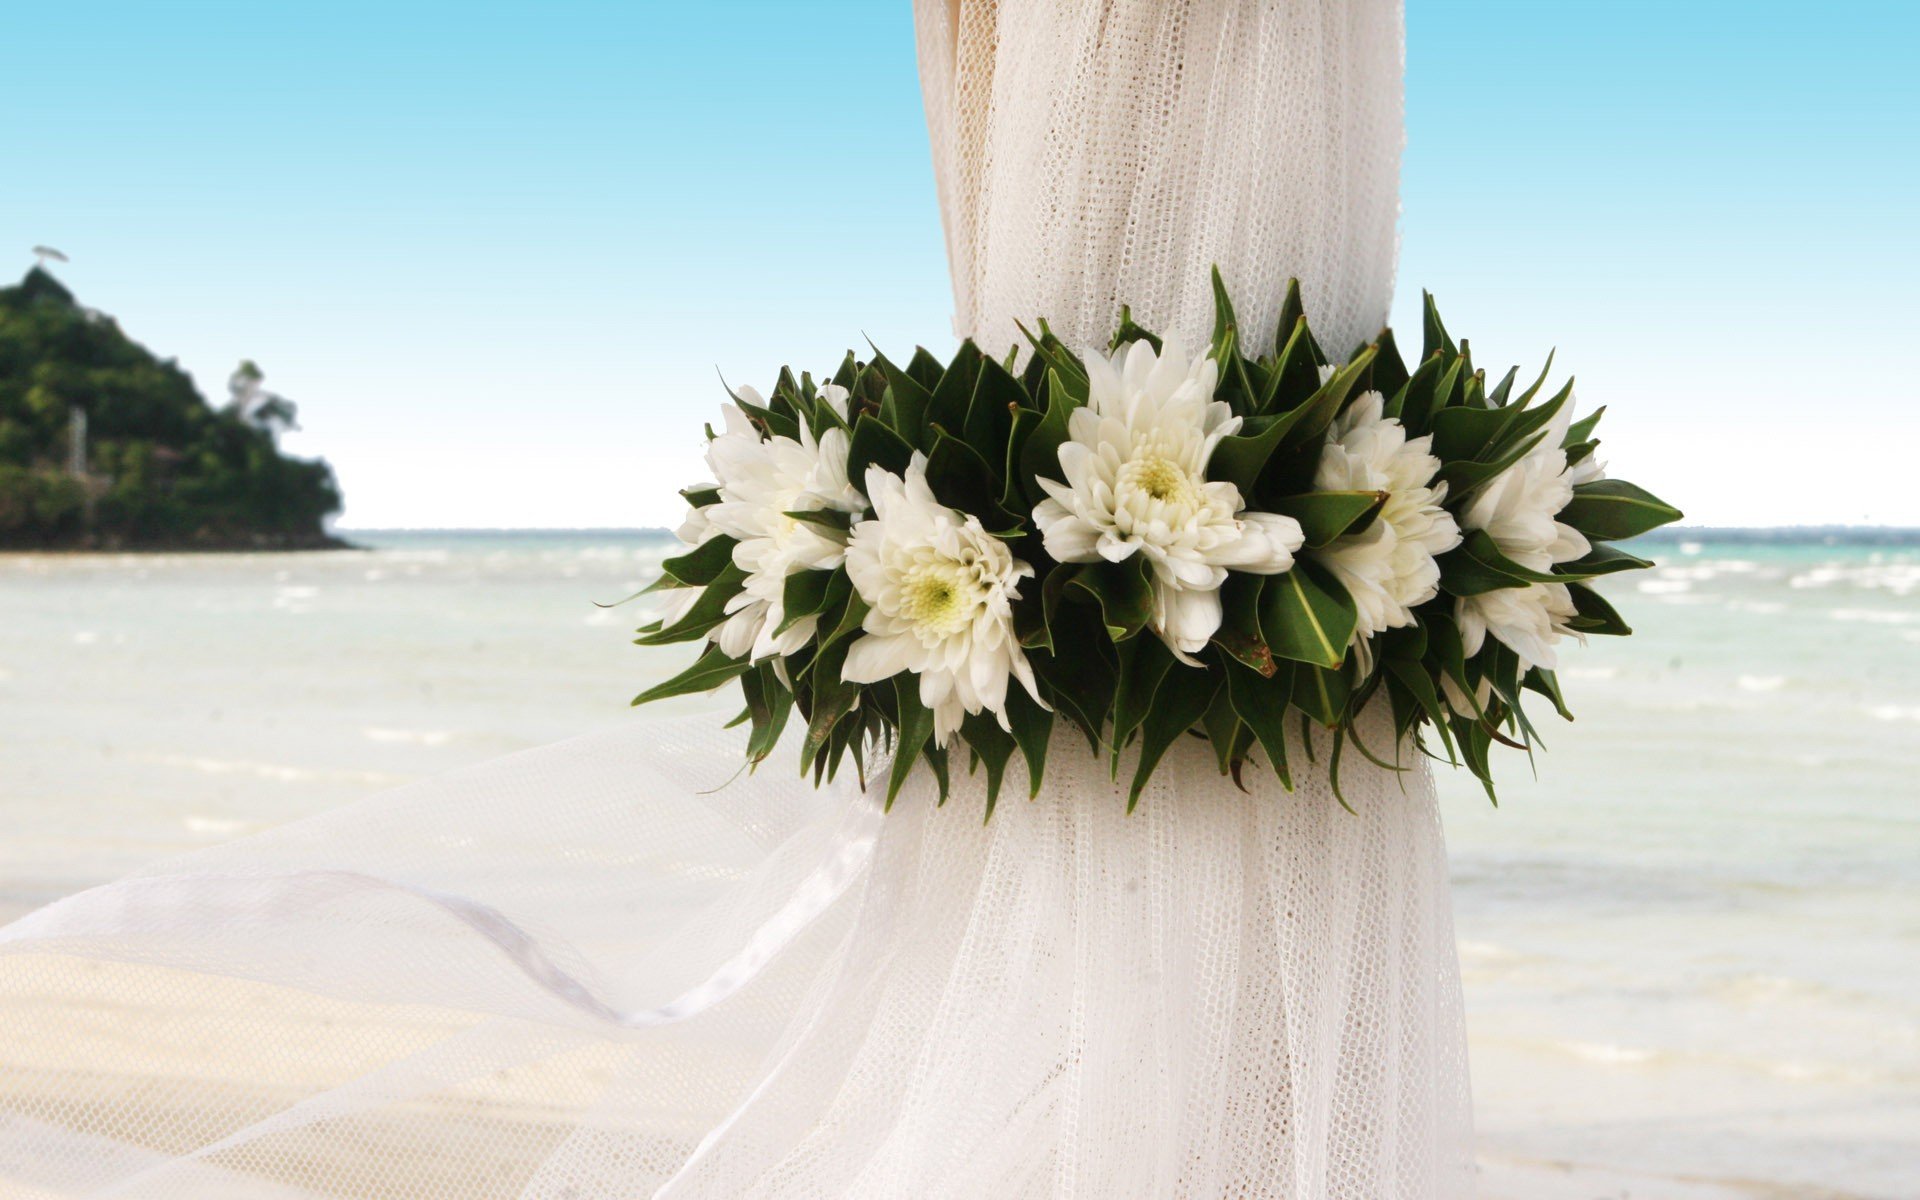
(583,972)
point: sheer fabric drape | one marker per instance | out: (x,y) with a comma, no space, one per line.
(601,970)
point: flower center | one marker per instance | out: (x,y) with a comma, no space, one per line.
(1159,479)
(939,598)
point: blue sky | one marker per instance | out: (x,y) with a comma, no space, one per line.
(499,251)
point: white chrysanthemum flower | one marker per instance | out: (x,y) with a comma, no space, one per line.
(1517,509)
(1389,566)
(761,481)
(940,592)
(1135,462)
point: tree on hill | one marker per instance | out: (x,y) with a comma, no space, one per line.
(160,466)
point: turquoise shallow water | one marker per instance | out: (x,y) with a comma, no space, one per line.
(1691,945)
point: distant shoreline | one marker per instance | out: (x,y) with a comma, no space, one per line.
(262,544)
(368,538)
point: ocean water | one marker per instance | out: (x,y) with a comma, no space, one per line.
(1691,944)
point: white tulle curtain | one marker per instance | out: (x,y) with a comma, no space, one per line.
(1092,153)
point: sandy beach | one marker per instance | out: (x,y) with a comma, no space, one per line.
(1687,946)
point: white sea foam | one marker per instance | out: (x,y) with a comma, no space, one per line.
(1762,683)
(1893,712)
(1875,616)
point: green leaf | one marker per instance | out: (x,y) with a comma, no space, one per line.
(1418,684)
(1614,509)
(913,734)
(831,698)
(1307,615)
(1324,516)
(960,478)
(1546,683)
(1321,693)
(1596,616)
(847,625)
(993,746)
(1079,676)
(1144,662)
(701,565)
(1128,331)
(1040,456)
(997,395)
(1225,731)
(1295,375)
(1478,566)
(1582,430)
(1123,591)
(707,611)
(1293,310)
(1389,372)
(768,705)
(904,407)
(711,670)
(1178,704)
(1435,333)
(826,518)
(1261,702)
(875,445)
(925,370)
(700,497)
(947,407)
(1239,459)
(1032,728)
(808,593)
(1239,633)
(1604,559)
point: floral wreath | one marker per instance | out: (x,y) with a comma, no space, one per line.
(1146,543)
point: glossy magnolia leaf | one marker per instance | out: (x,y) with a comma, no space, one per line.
(711,670)
(1615,509)
(1307,615)
(1324,516)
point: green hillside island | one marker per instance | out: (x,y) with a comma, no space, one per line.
(104,446)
